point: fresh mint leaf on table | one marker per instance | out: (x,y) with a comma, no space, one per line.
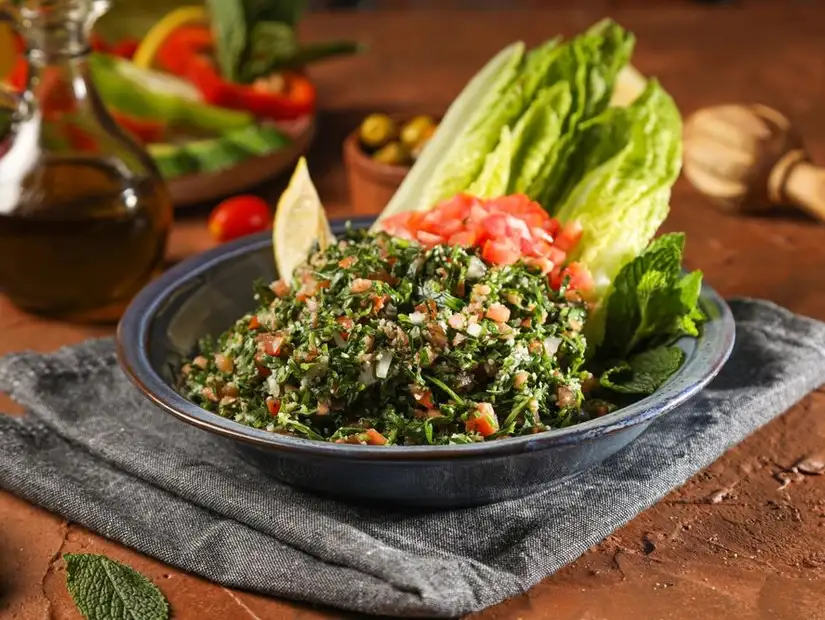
(104,589)
(652,304)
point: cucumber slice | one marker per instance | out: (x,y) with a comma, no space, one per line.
(172,160)
(216,154)
(258,139)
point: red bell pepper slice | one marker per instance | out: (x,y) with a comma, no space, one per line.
(145,131)
(188,53)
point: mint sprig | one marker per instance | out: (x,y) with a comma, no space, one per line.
(104,589)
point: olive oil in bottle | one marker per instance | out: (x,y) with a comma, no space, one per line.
(84,216)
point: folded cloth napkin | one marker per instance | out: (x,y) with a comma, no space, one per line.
(94,451)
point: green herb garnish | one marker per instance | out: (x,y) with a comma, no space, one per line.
(104,589)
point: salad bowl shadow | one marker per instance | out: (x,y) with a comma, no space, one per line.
(206,294)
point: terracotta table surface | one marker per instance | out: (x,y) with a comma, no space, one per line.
(730,543)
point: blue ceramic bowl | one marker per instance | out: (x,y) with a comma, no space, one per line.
(206,294)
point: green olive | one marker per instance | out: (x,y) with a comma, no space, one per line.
(376,130)
(416,130)
(393,154)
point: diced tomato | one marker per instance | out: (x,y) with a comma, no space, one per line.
(431,221)
(465,238)
(580,278)
(556,255)
(506,229)
(495,225)
(428,238)
(477,213)
(500,252)
(457,207)
(273,406)
(254,323)
(374,438)
(449,227)
(271,345)
(483,420)
(423,397)
(498,313)
(569,236)
(556,278)
(280,288)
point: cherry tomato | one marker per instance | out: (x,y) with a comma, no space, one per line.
(239,216)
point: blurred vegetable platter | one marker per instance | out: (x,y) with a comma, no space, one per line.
(216,93)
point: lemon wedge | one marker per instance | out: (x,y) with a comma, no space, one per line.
(629,84)
(300,221)
(150,44)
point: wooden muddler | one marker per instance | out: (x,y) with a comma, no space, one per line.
(747,158)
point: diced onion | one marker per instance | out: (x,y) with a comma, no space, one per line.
(551,344)
(474,329)
(476,268)
(417,317)
(366,377)
(382,367)
(273,387)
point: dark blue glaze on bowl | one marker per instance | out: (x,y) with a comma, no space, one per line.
(206,294)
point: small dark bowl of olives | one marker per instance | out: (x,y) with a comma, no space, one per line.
(379,153)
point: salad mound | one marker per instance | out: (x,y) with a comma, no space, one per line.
(511,285)
(384,340)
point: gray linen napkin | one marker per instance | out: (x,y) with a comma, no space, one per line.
(93,450)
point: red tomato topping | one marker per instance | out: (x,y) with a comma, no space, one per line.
(239,216)
(273,406)
(269,344)
(374,438)
(483,420)
(506,229)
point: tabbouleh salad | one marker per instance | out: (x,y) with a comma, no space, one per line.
(512,285)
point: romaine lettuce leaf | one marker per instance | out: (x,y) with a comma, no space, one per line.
(629,159)
(536,135)
(459,166)
(455,123)
(589,64)
(495,176)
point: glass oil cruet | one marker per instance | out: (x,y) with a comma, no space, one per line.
(84,216)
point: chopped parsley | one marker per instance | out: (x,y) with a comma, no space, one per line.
(378,340)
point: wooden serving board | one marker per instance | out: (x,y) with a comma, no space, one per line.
(194,189)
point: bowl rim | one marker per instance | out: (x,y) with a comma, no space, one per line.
(713,349)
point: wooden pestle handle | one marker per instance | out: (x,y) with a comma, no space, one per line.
(796,180)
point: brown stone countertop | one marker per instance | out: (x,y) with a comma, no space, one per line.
(734,542)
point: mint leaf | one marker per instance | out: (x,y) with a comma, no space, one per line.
(645,372)
(652,303)
(104,589)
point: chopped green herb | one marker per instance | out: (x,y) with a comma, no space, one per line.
(379,340)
